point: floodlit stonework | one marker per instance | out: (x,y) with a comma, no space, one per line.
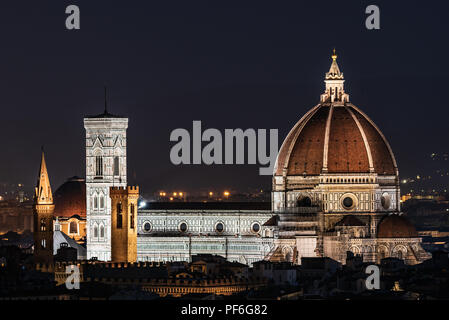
(105,168)
(335,189)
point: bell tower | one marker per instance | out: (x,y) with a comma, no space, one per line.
(105,168)
(124,223)
(43,217)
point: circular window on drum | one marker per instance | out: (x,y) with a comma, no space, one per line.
(385,200)
(255,227)
(348,201)
(219,227)
(147,226)
(183,227)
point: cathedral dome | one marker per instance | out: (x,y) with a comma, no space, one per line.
(396,226)
(70,198)
(335,137)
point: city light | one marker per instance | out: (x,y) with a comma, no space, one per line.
(226,193)
(142,204)
(211,193)
(171,198)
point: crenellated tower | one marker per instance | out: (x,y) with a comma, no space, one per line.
(124,223)
(43,217)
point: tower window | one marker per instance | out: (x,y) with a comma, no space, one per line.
(119,216)
(99,166)
(116,166)
(101,232)
(95,232)
(101,202)
(95,202)
(132,209)
(43,243)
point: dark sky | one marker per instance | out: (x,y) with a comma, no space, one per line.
(229,64)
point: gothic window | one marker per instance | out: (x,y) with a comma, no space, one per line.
(95,202)
(132,209)
(101,232)
(119,216)
(43,243)
(73,227)
(116,166)
(99,166)
(101,202)
(95,232)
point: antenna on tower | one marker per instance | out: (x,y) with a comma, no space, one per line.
(105,100)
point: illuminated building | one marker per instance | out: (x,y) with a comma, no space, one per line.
(335,189)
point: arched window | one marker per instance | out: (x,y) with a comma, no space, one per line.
(43,243)
(101,232)
(95,202)
(95,232)
(73,227)
(132,210)
(116,166)
(119,216)
(101,202)
(99,166)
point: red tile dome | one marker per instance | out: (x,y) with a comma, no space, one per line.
(70,198)
(395,226)
(335,138)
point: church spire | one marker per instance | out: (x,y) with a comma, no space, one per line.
(334,71)
(43,194)
(334,83)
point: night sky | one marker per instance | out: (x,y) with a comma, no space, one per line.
(229,64)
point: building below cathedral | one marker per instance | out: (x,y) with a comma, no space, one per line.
(335,189)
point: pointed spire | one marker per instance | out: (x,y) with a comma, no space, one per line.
(43,194)
(334,80)
(334,71)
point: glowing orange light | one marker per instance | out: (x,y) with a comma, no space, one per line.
(171,198)
(226,193)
